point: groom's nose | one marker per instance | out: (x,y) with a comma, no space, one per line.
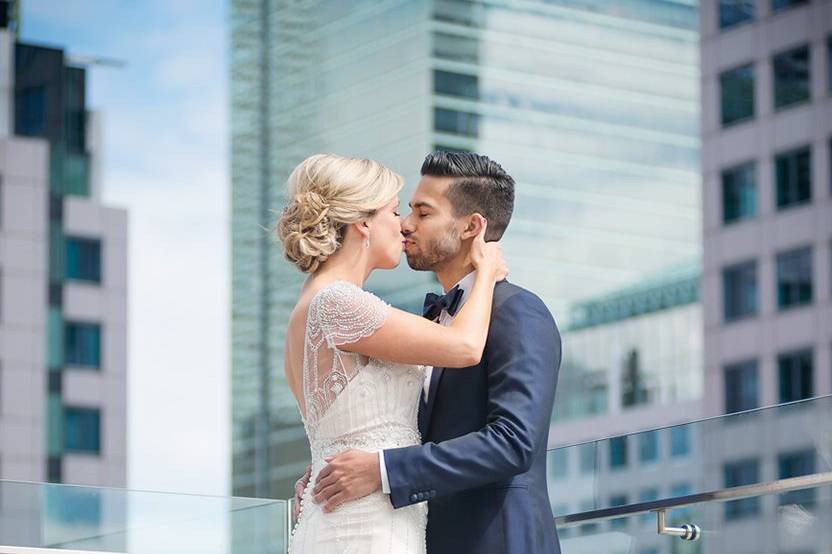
(407,225)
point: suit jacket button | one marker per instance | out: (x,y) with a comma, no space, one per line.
(414,497)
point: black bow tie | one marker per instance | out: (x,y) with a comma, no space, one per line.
(434,304)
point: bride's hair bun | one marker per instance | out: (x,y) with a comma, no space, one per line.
(327,193)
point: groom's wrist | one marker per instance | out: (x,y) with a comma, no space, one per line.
(382,468)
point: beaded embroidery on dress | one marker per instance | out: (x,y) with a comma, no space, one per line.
(352,402)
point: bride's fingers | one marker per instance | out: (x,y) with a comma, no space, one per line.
(483,227)
(321,484)
(334,502)
(326,494)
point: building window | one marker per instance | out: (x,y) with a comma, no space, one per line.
(791,77)
(588,454)
(735,12)
(54,469)
(797,464)
(739,193)
(82,430)
(559,464)
(794,278)
(618,452)
(456,122)
(678,490)
(781,5)
(680,441)
(829,64)
(741,387)
(634,390)
(83,259)
(82,344)
(30,111)
(739,284)
(618,500)
(445,148)
(455,84)
(648,447)
(794,177)
(737,94)
(796,381)
(738,474)
(648,495)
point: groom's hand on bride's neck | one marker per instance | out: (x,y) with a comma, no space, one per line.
(347,476)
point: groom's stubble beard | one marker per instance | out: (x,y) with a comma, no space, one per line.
(437,252)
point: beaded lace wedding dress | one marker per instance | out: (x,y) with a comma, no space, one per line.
(354,402)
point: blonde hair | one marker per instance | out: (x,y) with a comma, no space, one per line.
(327,193)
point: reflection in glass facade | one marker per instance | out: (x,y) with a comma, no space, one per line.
(632,349)
(592,106)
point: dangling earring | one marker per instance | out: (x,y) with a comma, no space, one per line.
(367,243)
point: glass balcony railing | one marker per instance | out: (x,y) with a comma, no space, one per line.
(764,473)
(39,516)
(757,481)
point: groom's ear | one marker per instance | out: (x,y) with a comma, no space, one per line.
(473,226)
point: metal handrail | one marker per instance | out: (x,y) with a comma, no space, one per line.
(720,495)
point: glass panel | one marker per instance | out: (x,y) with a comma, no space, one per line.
(734,12)
(793,527)
(740,290)
(115,520)
(737,94)
(739,193)
(648,447)
(738,449)
(791,77)
(794,278)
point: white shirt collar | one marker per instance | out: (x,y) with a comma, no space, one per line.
(466,284)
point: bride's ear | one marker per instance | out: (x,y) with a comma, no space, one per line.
(362,228)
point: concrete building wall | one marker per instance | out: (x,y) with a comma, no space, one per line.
(23,288)
(105,303)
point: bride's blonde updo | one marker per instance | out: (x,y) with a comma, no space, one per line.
(327,193)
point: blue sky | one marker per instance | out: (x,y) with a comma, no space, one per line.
(164,159)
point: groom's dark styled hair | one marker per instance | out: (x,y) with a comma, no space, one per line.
(480,185)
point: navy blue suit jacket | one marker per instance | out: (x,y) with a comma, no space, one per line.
(482,464)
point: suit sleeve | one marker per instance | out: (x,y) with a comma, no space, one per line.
(522,358)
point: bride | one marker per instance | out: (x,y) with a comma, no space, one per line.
(350,359)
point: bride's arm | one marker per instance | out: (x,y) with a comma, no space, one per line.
(410,339)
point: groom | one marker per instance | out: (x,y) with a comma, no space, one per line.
(482,464)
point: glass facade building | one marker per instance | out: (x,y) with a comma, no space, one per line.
(592,106)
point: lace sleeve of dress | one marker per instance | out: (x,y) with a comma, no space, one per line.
(346,313)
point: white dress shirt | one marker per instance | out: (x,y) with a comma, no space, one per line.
(466,284)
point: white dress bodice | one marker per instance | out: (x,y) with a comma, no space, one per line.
(358,403)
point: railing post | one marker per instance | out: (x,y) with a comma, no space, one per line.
(687,532)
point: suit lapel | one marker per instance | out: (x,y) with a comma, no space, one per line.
(435,378)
